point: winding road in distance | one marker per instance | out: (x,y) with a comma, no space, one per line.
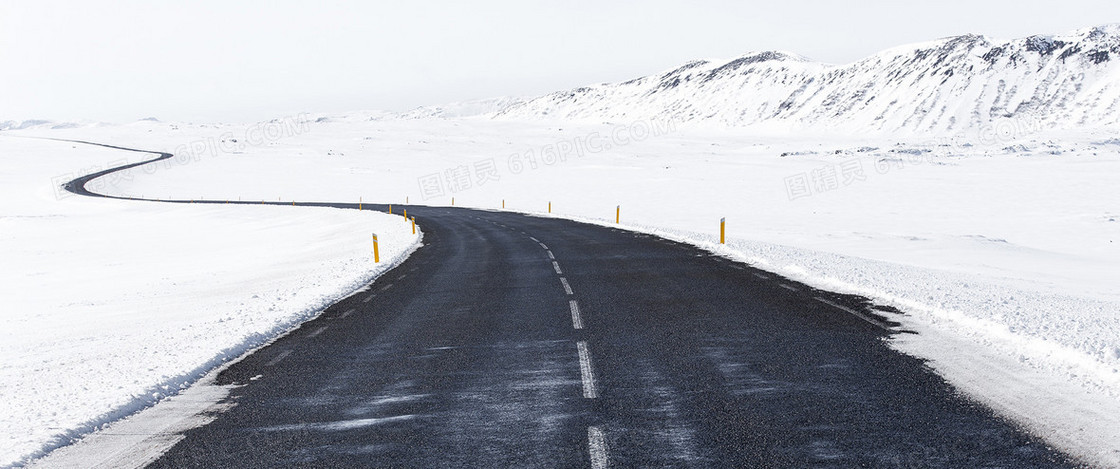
(516,341)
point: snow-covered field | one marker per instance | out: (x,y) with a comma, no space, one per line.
(999,245)
(109,306)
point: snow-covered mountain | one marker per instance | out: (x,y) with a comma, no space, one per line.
(42,124)
(473,108)
(943,86)
(26,124)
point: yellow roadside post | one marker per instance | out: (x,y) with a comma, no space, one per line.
(406,214)
(390,209)
(359,203)
(376,255)
(503,203)
(550,206)
(413,225)
(617,213)
(722,230)
(452,201)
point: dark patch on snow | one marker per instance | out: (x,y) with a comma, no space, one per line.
(747,60)
(1070,52)
(1044,45)
(949,49)
(632,82)
(688,66)
(994,54)
(910,151)
(665,85)
(1098,56)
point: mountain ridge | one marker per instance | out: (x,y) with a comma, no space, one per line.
(940,86)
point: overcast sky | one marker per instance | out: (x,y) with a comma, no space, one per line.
(221,60)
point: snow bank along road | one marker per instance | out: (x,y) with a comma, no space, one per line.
(511,340)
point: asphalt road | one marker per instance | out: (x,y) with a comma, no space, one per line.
(518,341)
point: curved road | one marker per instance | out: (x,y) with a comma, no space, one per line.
(515,341)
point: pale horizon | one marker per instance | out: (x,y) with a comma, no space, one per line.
(208,61)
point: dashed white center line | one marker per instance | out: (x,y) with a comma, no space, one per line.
(543,246)
(550,256)
(585,372)
(368,299)
(556,266)
(762,276)
(318,331)
(788,287)
(567,288)
(345,314)
(279,358)
(402,277)
(386,287)
(577,321)
(535,240)
(597,446)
